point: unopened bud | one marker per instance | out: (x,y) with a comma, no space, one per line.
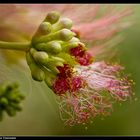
(74,39)
(51,47)
(49,78)
(68,45)
(44,29)
(64,35)
(3,101)
(63,23)
(36,72)
(52,17)
(10,111)
(40,56)
(52,67)
(53,64)
(57,59)
(16,106)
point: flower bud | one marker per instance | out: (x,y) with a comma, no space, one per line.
(3,101)
(52,67)
(36,72)
(57,59)
(64,35)
(52,17)
(63,23)
(39,56)
(49,78)
(68,45)
(16,100)
(74,39)
(51,47)
(53,63)
(16,106)
(10,111)
(12,96)
(44,29)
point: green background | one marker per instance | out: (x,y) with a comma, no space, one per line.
(40,115)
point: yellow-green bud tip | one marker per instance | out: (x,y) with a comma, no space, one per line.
(66,34)
(52,17)
(41,57)
(45,27)
(66,23)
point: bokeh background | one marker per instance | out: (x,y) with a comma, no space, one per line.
(40,114)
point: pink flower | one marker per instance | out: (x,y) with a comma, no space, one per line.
(102,85)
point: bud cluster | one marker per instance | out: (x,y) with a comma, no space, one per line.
(10,98)
(55,45)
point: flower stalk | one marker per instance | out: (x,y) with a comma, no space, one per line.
(21,46)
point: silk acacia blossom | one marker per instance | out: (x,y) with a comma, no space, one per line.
(56,55)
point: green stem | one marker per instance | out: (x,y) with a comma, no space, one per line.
(21,46)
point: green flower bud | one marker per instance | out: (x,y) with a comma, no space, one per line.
(39,56)
(7,87)
(12,96)
(49,78)
(63,23)
(36,72)
(68,58)
(29,58)
(52,65)
(74,39)
(51,47)
(10,111)
(57,59)
(64,35)
(68,45)
(11,87)
(17,100)
(3,102)
(15,106)
(44,29)
(52,17)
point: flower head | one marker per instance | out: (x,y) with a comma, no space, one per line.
(85,88)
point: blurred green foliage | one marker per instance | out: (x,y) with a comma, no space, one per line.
(40,115)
